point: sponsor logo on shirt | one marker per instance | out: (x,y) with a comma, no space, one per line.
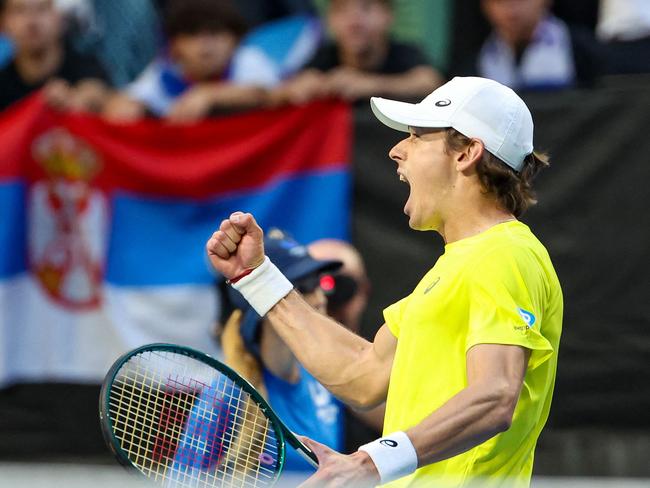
(528,317)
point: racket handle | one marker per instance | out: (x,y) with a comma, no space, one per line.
(308,455)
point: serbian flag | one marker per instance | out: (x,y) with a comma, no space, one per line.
(103,227)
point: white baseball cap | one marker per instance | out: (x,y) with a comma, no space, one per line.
(475,107)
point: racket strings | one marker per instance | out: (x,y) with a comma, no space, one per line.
(148,414)
(183,423)
(177,419)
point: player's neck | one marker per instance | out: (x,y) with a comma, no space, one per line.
(470,220)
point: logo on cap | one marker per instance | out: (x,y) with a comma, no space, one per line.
(443,103)
(388,442)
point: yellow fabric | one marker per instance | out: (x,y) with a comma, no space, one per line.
(473,295)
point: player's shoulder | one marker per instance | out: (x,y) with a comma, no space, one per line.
(511,242)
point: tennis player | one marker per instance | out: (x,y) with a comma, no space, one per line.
(467,361)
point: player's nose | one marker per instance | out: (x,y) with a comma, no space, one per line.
(398,152)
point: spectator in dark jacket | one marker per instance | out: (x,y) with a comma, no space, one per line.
(43,60)
(530,49)
(193,79)
(624,27)
(362,60)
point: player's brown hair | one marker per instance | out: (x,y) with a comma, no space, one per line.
(513,190)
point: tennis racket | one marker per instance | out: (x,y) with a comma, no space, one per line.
(182,418)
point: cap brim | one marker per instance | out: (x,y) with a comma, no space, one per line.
(402,115)
(308,267)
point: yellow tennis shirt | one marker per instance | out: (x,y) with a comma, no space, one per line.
(497,287)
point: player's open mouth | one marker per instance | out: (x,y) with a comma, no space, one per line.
(403,178)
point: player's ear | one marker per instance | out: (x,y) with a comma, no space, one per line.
(469,157)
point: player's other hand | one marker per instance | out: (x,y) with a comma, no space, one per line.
(237,246)
(340,470)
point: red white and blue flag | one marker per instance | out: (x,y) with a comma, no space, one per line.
(103,227)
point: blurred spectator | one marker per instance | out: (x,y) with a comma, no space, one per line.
(6,50)
(193,79)
(253,348)
(529,48)
(347,291)
(43,60)
(276,50)
(123,34)
(624,25)
(362,60)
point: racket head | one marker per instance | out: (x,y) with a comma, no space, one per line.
(182,418)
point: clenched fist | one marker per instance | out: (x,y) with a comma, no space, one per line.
(237,246)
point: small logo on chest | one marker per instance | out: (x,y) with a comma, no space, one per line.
(431,285)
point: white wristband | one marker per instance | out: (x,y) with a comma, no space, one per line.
(264,287)
(393,455)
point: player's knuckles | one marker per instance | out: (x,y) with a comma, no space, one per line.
(223,237)
(225,225)
(252,227)
(229,245)
(212,244)
(234,235)
(222,251)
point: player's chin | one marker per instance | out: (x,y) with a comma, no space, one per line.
(413,221)
(416,224)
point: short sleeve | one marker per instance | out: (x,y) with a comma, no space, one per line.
(501,310)
(148,89)
(251,66)
(393,315)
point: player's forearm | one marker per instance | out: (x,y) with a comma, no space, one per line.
(335,356)
(468,419)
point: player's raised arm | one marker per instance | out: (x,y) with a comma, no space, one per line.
(472,380)
(355,370)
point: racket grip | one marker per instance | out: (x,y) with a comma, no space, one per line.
(308,455)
